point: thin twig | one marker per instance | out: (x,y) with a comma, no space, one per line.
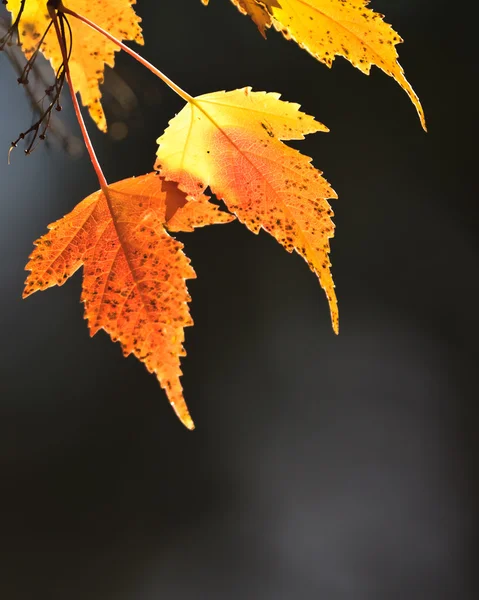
(86,138)
(7,39)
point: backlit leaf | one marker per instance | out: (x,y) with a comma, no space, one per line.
(327,28)
(134,272)
(230,141)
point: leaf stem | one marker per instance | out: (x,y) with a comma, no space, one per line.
(86,138)
(171,84)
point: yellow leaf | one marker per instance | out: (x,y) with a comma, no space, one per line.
(90,50)
(327,28)
(230,141)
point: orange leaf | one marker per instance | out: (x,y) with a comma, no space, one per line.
(90,50)
(326,28)
(230,141)
(134,271)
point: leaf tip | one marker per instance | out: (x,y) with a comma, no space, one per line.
(423,120)
(27,292)
(183,414)
(334,315)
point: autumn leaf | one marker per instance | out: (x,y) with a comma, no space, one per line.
(90,50)
(134,272)
(230,141)
(327,28)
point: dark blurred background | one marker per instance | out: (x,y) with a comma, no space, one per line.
(322,467)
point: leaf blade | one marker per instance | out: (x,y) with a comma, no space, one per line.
(265,183)
(134,272)
(330,28)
